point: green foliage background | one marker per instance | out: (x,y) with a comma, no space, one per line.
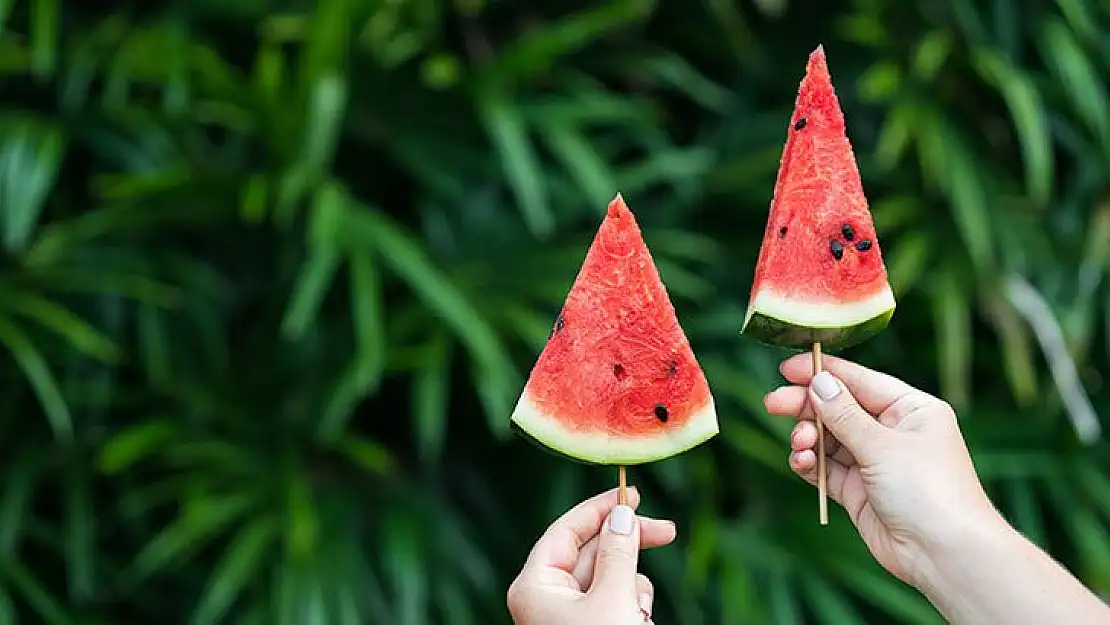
(273,273)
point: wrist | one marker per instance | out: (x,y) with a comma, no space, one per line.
(959,548)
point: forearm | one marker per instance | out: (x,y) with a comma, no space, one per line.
(989,573)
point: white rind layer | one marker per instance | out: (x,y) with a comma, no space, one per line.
(808,314)
(600,448)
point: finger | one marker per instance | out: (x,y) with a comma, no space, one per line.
(618,553)
(876,391)
(653,533)
(805,437)
(845,418)
(788,401)
(645,593)
(804,463)
(561,542)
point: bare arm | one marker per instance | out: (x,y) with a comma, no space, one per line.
(899,466)
(990,573)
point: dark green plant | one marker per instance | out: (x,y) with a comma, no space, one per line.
(274,272)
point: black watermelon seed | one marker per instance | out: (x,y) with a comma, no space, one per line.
(801,123)
(560,323)
(672,368)
(782,232)
(863,245)
(847,231)
(837,249)
(661,413)
(618,371)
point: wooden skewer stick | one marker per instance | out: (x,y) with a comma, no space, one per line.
(622,494)
(822,478)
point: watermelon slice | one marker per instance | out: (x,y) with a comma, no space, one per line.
(617,382)
(820,276)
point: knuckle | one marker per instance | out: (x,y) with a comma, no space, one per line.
(935,405)
(842,412)
(805,474)
(615,556)
(945,408)
(514,598)
(644,585)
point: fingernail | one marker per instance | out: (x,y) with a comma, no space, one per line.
(645,605)
(620,520)
(825,386)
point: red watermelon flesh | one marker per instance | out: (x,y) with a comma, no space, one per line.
(820,275)
(617,382)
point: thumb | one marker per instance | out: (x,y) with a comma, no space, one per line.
(842,415)
(618,552)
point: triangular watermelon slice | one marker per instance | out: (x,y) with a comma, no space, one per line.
(617,382)
(820,276)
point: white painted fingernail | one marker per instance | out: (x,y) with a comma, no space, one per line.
(620,520)
(825,386)
(645,604)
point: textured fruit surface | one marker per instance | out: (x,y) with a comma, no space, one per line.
(617,382)
(820,275)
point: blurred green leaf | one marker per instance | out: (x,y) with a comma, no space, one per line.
(81,537)
(1017,351)
(368,454)
(407,260)
(683,76)
(880,82)
(897,132)
(240,563)
(785,603)
(1026,514)
(830,605)
(946,155)
(536,51)
(1027,110)
(1079,80)
(907,262)
(7,607)
(365,371)
(325,109)
(132,444)
(30,158)
(82,336)
(521,165)
(954,344)
(430,399)
(405,566)
(897,599)
(931,53)
(35,367)
(1080,18)
(187,533)
(5,12)
(15,502)
(318,271)
(302,525)
(34,593)
(46,28)
(583,162)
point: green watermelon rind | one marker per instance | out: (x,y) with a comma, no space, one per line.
(780,333)
(776,318)
(540,429)
(535,442)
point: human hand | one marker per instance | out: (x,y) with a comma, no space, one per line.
(582,571)
(897,462)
